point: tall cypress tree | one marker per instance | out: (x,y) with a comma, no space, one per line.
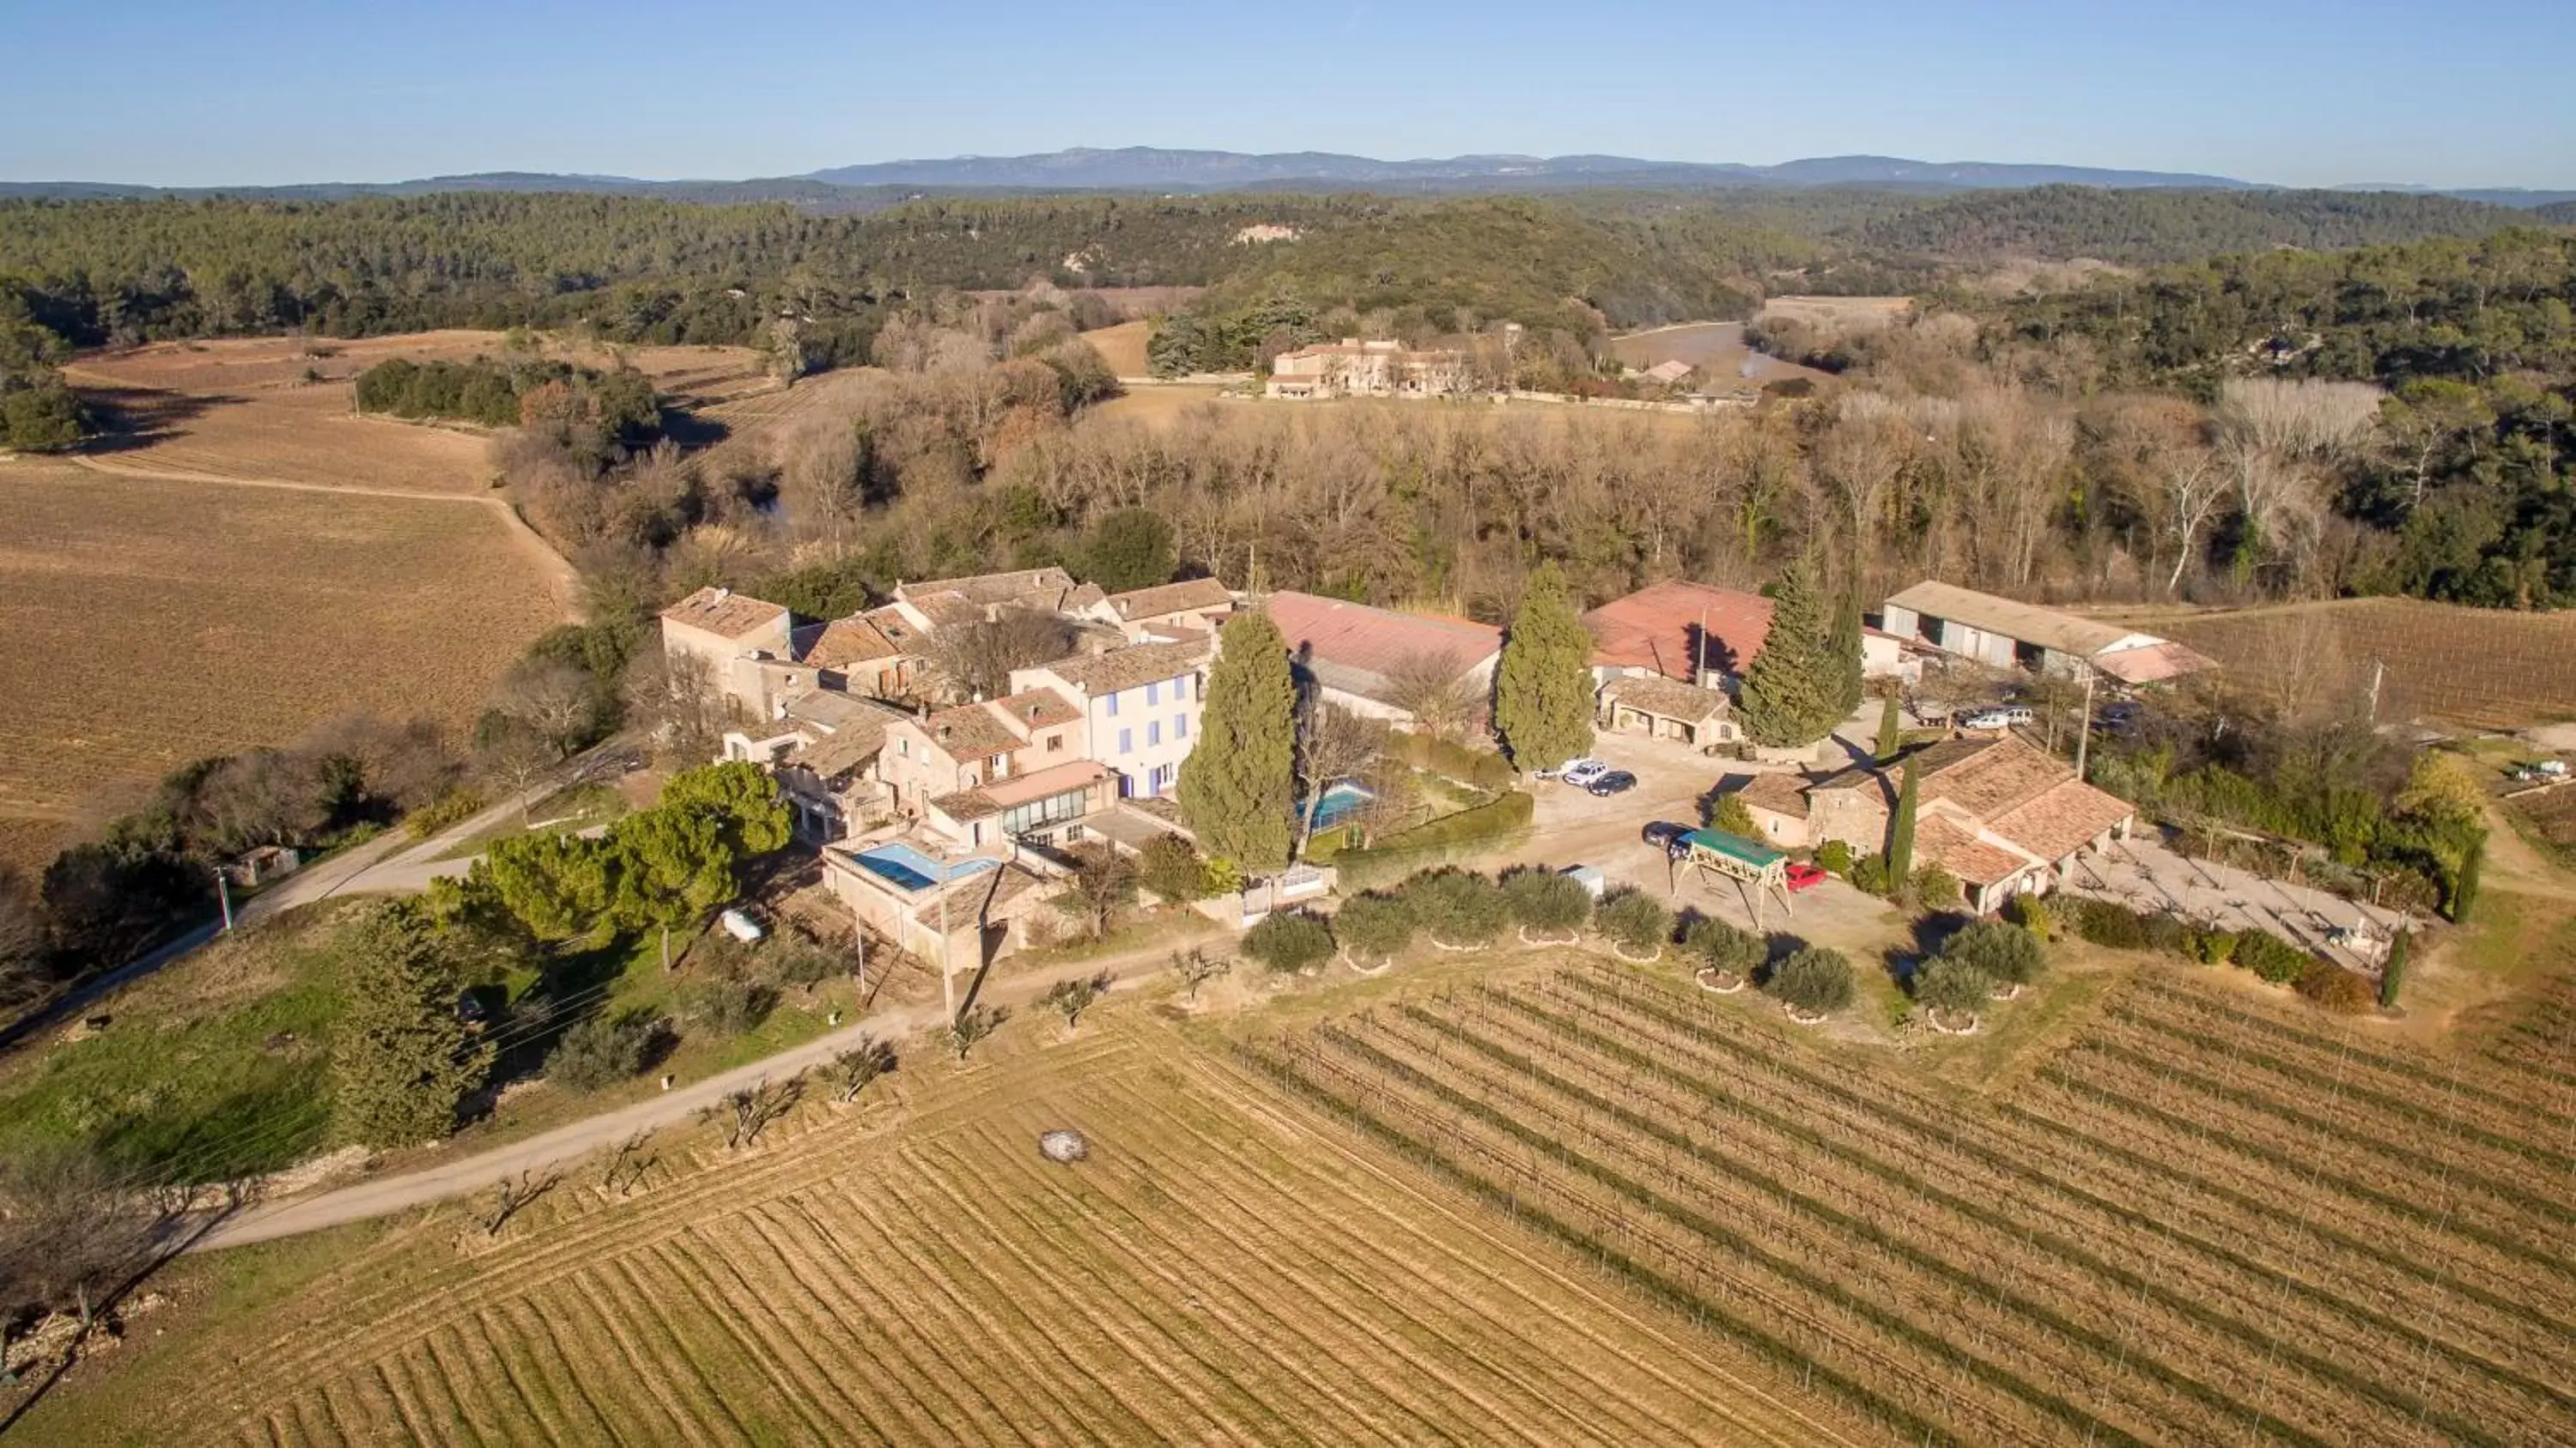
(1543,696)
(400,1060)
(1891,730)
(1792,694)
(1900,834)
(1238,787)
(1843,649)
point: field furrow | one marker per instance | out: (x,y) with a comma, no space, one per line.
(885,1382)
(724,1338)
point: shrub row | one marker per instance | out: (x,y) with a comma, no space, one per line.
(1482,768)
(1434,842)
(2116,926)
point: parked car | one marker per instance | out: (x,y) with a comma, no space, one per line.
(1804,876)
(1616,781)
(1580,772)
(2000,717)
(1666,836)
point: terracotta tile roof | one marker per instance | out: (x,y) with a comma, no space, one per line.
(969,731)
(1039,784)
(1166,598)
(843,642)
(1667,698)
(897,629)
(1359,646)
(947,610)
(1779,793)
(2002,774)
(724,613)
(852,743)
(1036,709)
(1939,842)
(1127,668)
(2061,820)
(1016,586)
(966,805)
(1658,627)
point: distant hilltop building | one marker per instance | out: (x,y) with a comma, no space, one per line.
(1377,367)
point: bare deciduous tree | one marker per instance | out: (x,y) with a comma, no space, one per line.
(1432,689)
(853,1070)
(555,699)
(975,659)
(512,1195)
(1333,744)
(626,1167)
(746,1113)
(1070,998)
(1195,969)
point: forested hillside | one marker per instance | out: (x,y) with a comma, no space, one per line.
(2475,341)
(2148,227)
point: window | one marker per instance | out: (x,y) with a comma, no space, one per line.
(1055,744)
(1180,726)
(1113,706)
(1126,741)
(1037,814)
(903,746)
(1153,733)
(1153,695)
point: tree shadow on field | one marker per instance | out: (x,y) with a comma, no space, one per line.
(133,418)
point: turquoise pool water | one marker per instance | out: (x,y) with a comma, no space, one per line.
(1340,802)
(910,869)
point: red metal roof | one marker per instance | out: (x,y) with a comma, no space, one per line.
(1377,640)
(1658,627)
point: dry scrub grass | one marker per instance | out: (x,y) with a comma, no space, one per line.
(147,622)
(1228,1266)
(1717,349)
(1846,312)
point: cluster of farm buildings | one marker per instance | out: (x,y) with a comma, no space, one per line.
(943,820)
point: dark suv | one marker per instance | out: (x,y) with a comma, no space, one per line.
(1617,781)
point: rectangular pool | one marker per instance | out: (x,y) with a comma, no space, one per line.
(1341,800)
(909,869)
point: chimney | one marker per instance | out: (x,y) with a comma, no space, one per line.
(723,593)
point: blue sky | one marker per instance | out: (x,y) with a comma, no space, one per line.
(2467,92)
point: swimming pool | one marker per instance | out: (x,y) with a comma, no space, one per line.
(910,869)
(1341,800)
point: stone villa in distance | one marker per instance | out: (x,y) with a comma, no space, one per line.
(1376,367)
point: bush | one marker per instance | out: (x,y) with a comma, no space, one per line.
(1482,768)
(1498,816)
(2110,923)
(1812,979)
(2213,947)
(1456,907)
(1169,867)
(1869,874)
(1953,986)
(2270,957)
(601,1051)
(729,1005)
(2337,989)
(1729,813)
(2165,933)
(454,807)
(1546,901)
(1835,857)
(2005,954)
(1635,921)
(1716,945)
(1937,888)
(1287,941)
(2031,913)
(791,959)
(1374,925)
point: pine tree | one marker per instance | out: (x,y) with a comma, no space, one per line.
(400,1059)
(1900,835)
(671,865)
(1238,787)
(1792,694)
(1543,695)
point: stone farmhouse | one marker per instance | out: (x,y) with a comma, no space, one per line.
(1358,656)
(1377,367)
(2002,815)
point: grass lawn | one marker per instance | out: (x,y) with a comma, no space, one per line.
(580,808)
(215,1066)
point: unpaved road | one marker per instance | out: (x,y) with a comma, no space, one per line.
(465,1175)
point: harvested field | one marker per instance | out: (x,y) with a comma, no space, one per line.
(1227,1266)
(1122,347)
(1158,404)
(245,410)
(1717,349)
(2209,1220)
(2485,668)
(1845,313)
(145,621)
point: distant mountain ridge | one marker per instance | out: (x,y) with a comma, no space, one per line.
(1156,169)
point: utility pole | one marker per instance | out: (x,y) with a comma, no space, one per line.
(2084,741)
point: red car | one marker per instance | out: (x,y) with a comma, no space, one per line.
(1805,877)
